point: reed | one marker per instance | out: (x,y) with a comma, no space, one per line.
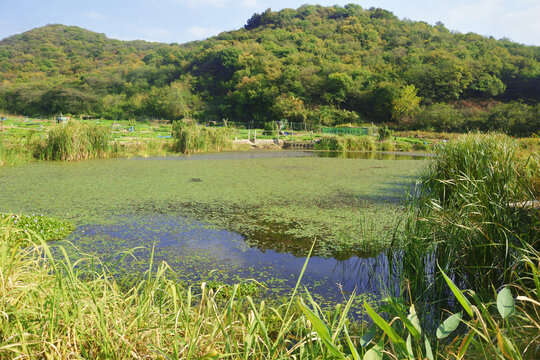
(470,214)
(74,141)
(345,143)
(53,308)
(191,137)
(15,152)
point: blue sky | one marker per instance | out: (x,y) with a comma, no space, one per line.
(185,20)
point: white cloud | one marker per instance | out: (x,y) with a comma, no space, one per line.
(249,3)
(95,15)
(202,32)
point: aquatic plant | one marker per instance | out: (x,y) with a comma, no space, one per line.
(191,137)
(345,143)
(471,213)
(46,227)
(74,141)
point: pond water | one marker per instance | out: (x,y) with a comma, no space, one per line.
(279,154)
(201,252)
(231,217)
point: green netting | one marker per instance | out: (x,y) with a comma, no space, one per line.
(345,130)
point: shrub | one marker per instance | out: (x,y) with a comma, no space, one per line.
(384,133)
(74,141)
(190,137)
(386,145)
(404,146)
(331,143)
(359,143)
(469,213)
(345,143)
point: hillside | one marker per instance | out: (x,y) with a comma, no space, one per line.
(315,64)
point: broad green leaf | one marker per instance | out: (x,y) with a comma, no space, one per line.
(392,334)
(429,352)
(505,303)
(367,337)
(376,352)
(448,326)
(413,318)
(459,295)
(409,347)
(322,330)
(405,319)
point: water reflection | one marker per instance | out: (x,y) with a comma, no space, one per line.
(193,249)
(270,154)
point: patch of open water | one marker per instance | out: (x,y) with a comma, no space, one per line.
(271,154)
(200,252)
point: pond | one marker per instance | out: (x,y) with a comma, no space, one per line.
(229,216)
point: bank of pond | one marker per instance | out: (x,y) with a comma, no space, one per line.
(274,255)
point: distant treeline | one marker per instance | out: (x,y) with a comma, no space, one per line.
(327,65)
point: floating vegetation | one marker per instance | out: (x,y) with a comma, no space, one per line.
(337,201)
(46,228)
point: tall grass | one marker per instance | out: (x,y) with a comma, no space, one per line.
(345,143)
(191,137)
(74,141)
(52,308)
(471,213)
(14,152)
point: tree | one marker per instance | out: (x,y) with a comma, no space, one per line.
(405,105)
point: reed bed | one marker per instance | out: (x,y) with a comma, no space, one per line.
(74,141)
(346,143)
(191,137)
(52,308)
(14,153)
(471,214)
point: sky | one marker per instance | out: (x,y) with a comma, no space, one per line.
(180,21)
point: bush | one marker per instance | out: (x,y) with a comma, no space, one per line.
(359,143)
(190,137)
(387,145)
(345,143)
(420,146)
(469,213)
(404,146)
(384,133)
(331,143)
(74,141)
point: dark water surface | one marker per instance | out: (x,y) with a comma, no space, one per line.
(132,206)
(273,154)
(201,252)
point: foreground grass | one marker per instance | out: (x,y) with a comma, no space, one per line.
(50,309)
(59,309)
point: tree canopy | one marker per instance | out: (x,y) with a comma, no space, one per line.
(313,64)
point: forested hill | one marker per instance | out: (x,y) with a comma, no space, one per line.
(315,64)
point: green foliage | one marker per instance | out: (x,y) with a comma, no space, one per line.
(315,64)
(74,141)
(384,133)
(469,213)
(486,334)
(191,137)
(407,105)
(345,143)
(45,227)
